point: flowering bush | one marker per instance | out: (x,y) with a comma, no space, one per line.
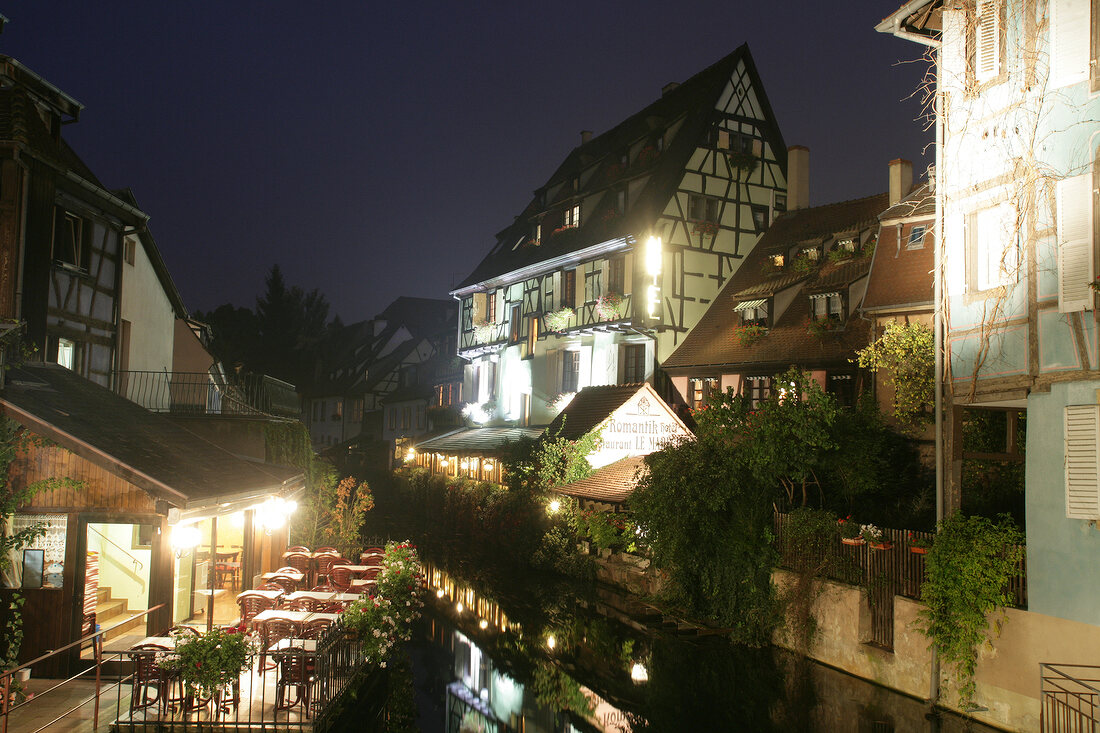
(647,155)
(380,621)
(821,327)
(706,228)
(209,662)
(484,332)
(848,529)
(871,533)
(750,334)
(558,320)
(921,543)
(610,307)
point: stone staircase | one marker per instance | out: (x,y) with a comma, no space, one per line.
(110,611)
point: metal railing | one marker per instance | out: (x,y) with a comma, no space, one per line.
(1070,698)
(209,393)
(138,565)
(251,704)
(10,684)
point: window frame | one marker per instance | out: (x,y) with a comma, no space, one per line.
(915,239)
(634,363)
(568,288)
(761,211)
(616,274)
(977,15)
(81,235)
(703,208)
(570,371)
(978,256)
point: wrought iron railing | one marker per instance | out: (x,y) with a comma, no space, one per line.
(1070,698)
(209,393)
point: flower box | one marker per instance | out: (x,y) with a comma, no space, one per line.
(918,550)
(881,545)
(853,541)
(611,307)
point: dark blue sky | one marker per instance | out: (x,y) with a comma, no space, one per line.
(374,149)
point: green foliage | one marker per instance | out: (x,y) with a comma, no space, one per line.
(558,691)
(809,539)
(707,521)
(968,569)
(992,487)
(802,264)
(209,662)
(905,353)
(343,511)
(401,708)
(608,530)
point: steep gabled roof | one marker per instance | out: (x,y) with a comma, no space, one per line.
(901,278)
(589,408)
(714,345)
(146,449)
(693,105)
(482,441)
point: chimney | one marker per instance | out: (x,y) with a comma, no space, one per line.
(901,179)
(586,135)
(669,87)
(798,177)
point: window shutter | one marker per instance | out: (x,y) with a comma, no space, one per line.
(952,56)
(987,41)
(1075,260)
(478,309)
(1082,445)
(1069,42)
(628,273)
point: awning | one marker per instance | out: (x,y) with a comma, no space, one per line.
(745,305)
(833,294)
(474,440)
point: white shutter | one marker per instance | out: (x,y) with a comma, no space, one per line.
(952,55)
(628,273)
(987,41)
(1075,260)
(1069,42)
(1082,443)
(954,253)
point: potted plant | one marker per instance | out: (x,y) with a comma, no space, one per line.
(849,531)
(610,307)
(558,320)
(211,662)
(873,536)
(484,332)
(749,334)
(919,545)
(745,162)
(706,228)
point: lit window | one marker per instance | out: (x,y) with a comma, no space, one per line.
(916,238)
(827,306)
(698,391)
(753,313)
(847,244)
(572,216)
(66,353)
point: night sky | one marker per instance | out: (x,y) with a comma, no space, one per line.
(375,149)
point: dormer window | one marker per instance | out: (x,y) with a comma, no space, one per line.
(572,216)
(848,244)
(777,261)
(753,312)
(813,254)
(827,306)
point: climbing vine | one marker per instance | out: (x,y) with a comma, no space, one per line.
(905,354)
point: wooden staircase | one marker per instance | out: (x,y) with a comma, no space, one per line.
(111,611)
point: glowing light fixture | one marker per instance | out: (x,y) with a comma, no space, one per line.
(488,465)
(653,256)
(555,506)
(439,593)
(551,642)
(653,300)
(459,608)
(411,455)
(185,537)
(483,624)
(639,673)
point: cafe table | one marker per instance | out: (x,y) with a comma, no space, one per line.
(362,584)
(323,596)
(272,595)
(295,575)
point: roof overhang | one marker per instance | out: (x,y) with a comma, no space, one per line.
(900,23)
(609,246)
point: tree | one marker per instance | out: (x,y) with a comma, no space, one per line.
(905,353)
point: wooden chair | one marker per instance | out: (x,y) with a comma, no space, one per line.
(298,548)
(268,585)
(341,578)
(316,628)
(287,583)
(324,589)
(334,607)
(252,604)
(273,631)
(374,551)
(332,550)
(294,671)
(149,676)
(371,558)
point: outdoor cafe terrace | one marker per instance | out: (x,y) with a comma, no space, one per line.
(299,661)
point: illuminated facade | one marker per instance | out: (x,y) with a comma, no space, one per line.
(1017,194)
(620,252)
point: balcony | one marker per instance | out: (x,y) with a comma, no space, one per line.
(205,393)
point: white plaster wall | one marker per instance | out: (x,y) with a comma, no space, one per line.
(147,308)
(116,570)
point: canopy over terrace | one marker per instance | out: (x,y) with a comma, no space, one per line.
(469,452)
(609,487)
(138,472)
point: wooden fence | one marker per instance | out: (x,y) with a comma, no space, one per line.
(894,570)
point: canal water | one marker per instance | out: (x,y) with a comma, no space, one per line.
(533,654)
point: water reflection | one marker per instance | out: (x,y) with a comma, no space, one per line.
(534,655)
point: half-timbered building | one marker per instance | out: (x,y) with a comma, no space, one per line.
(794,302)
(623,248)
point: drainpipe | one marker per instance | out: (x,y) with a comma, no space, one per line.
(938,328)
